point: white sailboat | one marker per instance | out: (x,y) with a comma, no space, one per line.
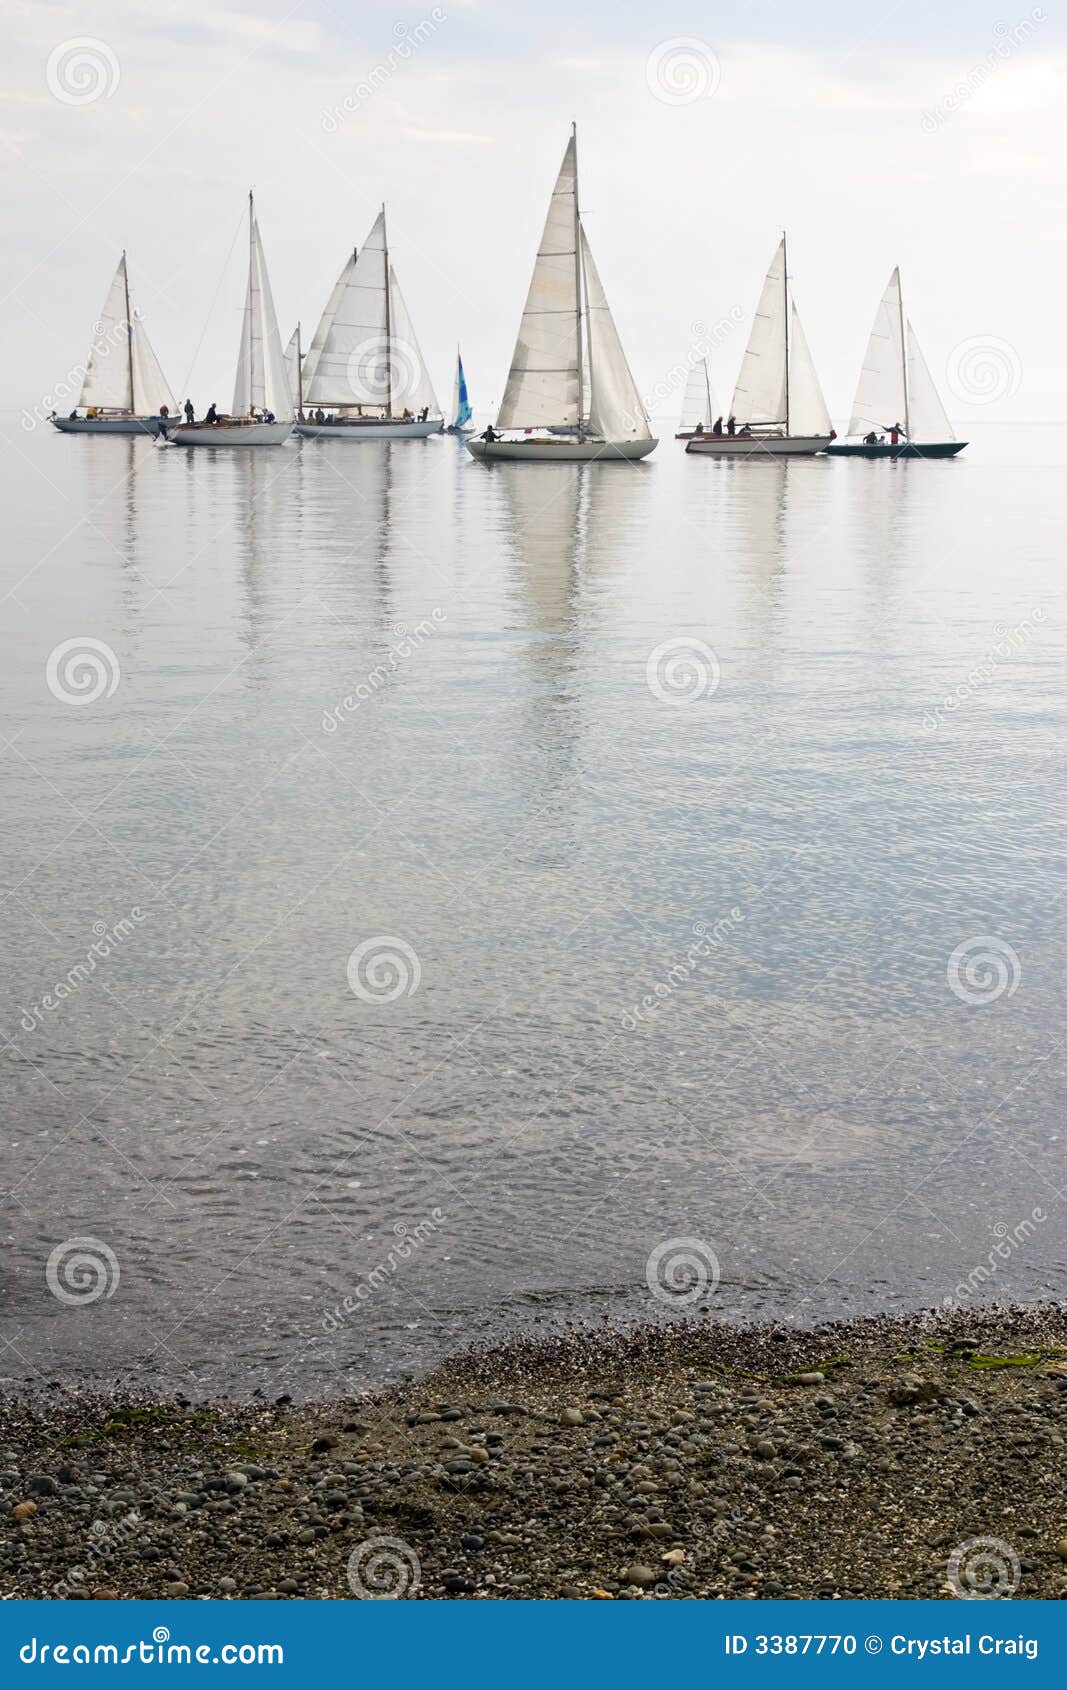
(778,407)
(569,394)
(262,403)
(294,369)
(698,403)
(364,376)
(124,390)
(895,383)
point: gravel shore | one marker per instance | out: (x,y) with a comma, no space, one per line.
(692,1460)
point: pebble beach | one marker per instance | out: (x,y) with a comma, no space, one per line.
(692,1460)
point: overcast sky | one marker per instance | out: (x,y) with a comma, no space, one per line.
(876,133)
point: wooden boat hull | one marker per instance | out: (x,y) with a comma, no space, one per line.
(230,434)
(108,425)
(757,446)
(559,451)
(904,449)
(380,430)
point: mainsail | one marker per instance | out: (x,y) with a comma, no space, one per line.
(461,405)
(410,384)
(615,408)
(760,394)
(927,418)
(698,403)
(544,383)
(881,396)
(322,333)
(262,383)
(293,365)
(122,372)
(807,407)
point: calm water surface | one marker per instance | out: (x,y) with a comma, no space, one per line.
(681,965)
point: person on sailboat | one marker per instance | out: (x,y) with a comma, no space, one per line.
(894,434)
(718,426)
(490,434)
(211,415)
(731,426)
(190,414)
(164,418)
(699,428)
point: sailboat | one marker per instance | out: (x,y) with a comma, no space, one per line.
(124,389)
(364,375)
(778,402)
(461,405)
(261,390)
(294,369)
(895,383)
(569,393)
(698,403)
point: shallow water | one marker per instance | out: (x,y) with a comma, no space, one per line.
(680,964)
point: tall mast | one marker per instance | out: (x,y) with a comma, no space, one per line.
(785,300)
(707,390)
(578,275)
(299,373)
(253,304)
(129,326)
(903,357)
(388,326)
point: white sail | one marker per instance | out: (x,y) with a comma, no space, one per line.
(544,382)
(321,335)
(347,364)
(150,389)
(108,370)
(615,408)
(292,364)
(927,419)
(412,388)
(262,383)
(881,399)
(698,403)
(807,407)
(759,396)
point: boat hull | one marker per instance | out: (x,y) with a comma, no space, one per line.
(108,425)
(905,449)
(230,434)
(561,451)
(756,446)
(355,431)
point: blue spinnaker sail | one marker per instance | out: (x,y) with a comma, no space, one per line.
(463,406)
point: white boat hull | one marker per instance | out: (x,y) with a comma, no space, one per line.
(559,451)
(230,434)
(381,430)
(756,446)
(108,425)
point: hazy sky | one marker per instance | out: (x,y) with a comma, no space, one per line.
(932,135)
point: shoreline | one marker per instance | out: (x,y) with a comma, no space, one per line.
(859,1458)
